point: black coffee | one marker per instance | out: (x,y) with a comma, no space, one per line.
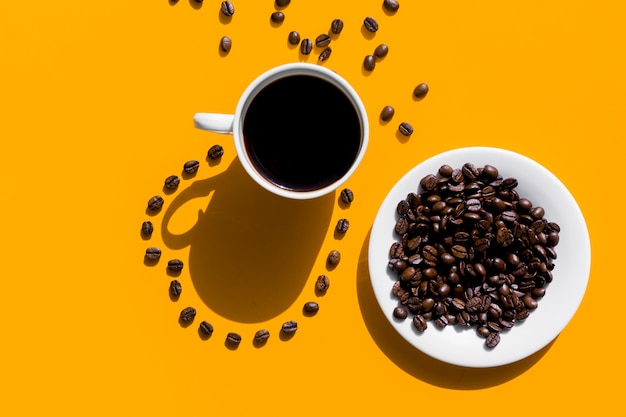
(302,133)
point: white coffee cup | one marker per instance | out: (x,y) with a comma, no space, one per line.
(300,130)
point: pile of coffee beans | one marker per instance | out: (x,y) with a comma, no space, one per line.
(470,251)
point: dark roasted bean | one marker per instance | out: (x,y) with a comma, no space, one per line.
(206,328)
(175,265)
(175,288)
(311,307)
(226,44)
(391,5)
(370,24)
(336,26)
(387,113)
(227,8)
(277,17)
(155,203)
(147,228)
(421,90)
(171,182)
(325,54)
(293,38)
(369,63)
(233,339)
(215,152)
(282,3)
(261,336)
(381,51)
(191,167)
(492,340)
(346,196)
(322,40)
(342,226)
(187,314)
(400,312)
(153,253)
(405,129)
(420,322)
(306,46)
(322,283)
(289,327)
(334,257)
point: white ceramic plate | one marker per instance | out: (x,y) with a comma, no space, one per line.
(461,346)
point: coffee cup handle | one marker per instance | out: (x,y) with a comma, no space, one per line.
(214,122)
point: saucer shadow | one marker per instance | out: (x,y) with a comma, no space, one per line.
(418,364)
(250,252)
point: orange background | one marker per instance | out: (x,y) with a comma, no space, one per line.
(97,100)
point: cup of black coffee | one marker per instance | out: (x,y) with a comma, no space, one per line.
(300,130)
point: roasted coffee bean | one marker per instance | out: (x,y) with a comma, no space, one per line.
(325,54)
(206,328)
(311,307)
(175,288)
(289,327)
(342,226)
(492,340)
(400,312)
(370,24)
(420,323)
(282,3)
(153,253)
(421,90)
(387,113)
(391,5)
(226,44)
(346,196)
(336,26)
(187,314)
(334,257)
(227,8)
(293,38)
(322,40)
(171,182)
(306,46)
(191,167)
(277,17)
(215,152)
(369,63)
(261,336)
(322,283)
(405,129)
(381,51)
(175,265)
(233,339)
(155,203)
(147,228)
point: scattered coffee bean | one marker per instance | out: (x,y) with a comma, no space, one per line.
(488,261)
(325,54)
(346,196)
(206,328)
(311,307)
(233,339)
(293,38)
(261,336)
(175,288)
(155,203)
(322,284)
(227,8)
(391,5)
(175,265)
(334,257)
(187,314)
(226,44)
(277,17)
(421,90)
(370,24)
(147,228)
(171,182)
(406,129)
(306,46)
(282,3)
(191,167)
(387,113)
(369,63)
(342,226)
(336,26)
(153,253)
(215,152)
(322,40)
(289,327)
(381,51)
(400,312)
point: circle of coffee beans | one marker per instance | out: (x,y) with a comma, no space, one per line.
(470,251)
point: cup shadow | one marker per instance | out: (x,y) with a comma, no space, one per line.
(250,252)
(418,364)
